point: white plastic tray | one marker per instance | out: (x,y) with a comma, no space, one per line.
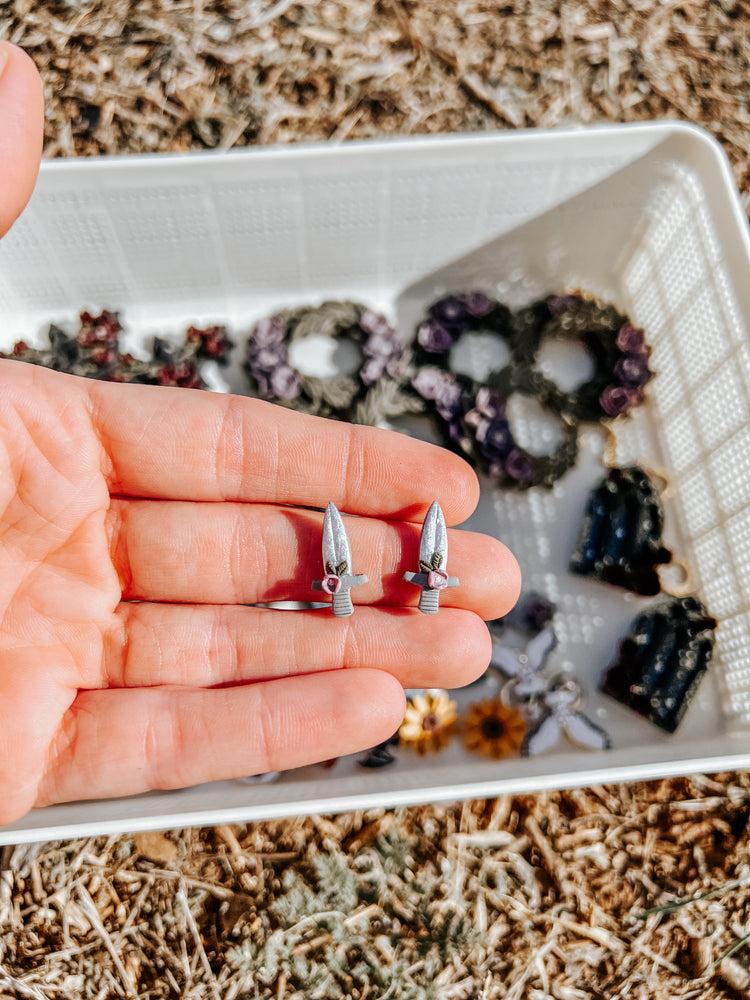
(645,216)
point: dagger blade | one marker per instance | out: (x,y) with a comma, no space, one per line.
(434,537)
(336,548)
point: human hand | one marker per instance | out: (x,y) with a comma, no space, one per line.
(136,524)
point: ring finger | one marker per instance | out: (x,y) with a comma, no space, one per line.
(237,553)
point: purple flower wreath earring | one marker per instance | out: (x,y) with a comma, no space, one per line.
(448,394)
(371,394)
(489,439)
(472,417)
(618,350)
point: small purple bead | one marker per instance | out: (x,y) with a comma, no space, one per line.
(617,399)
(478,304)
(490,404)
(381,344)
(496,439)
(268,331)
(440,386)
(434,337)
(518,465)
(538,612)
(633,371)
(451,310)
(269,358)
(448,393)
(561,303)
(375,323)
(372,370)
(449,401)
(630,339)
(285,383)
(427,382)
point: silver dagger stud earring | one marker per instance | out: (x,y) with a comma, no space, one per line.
(337,561)
(433,556)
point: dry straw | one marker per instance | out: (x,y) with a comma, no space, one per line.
(531,897)
(619,892)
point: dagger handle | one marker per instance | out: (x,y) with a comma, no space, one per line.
(342,603)
(429,601)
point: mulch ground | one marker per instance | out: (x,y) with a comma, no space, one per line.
(629,891)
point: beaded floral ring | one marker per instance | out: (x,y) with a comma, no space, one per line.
(447,393)
(489,438)
(618,349)
(94,352)
(347,396)
(455,315)
(472,417)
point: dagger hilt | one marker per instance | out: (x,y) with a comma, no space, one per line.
(342,603)
(429,599)
(341,599)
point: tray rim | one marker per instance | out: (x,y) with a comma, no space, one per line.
(595,133)
(723,196)
(391,799)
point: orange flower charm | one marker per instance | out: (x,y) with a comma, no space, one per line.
(493,729)
(429,721)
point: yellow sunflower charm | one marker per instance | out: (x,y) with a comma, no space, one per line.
(493,729)
(429,721)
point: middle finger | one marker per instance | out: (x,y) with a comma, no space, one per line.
(239,553)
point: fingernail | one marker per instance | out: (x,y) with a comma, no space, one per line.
(4,56)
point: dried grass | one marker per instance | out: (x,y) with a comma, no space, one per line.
(529,897)
(124,76)
(569,895)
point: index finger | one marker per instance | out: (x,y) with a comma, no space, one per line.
(187,444)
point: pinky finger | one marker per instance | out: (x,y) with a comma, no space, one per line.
(127,741)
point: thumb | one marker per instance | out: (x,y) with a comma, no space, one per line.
(21,131)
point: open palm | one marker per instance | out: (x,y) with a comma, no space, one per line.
(139,524)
